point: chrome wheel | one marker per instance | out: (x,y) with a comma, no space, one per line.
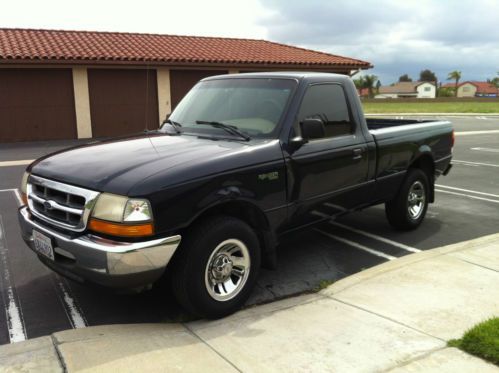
(227,270)
(416,200)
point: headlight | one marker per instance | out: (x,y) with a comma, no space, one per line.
(110,207)
(137,210)
(24,187)
(121,216)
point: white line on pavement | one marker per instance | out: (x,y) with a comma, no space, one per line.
(17,194)
(468,163)
(468,133)
(466,195)
(16,163)
(357,245)
(13,312)
(376,237)
(8,190)
(490,150)
(467,190)
(71,307)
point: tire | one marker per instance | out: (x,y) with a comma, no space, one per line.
(404,212)
(216,267)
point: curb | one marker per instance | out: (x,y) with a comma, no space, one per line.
(407,260)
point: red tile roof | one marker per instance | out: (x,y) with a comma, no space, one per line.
(483,87)
(112,47)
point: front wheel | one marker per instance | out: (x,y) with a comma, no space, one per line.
(408,208)
(216,267)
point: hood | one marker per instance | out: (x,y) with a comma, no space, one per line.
(117,166)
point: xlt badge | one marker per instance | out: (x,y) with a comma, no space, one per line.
(269,176)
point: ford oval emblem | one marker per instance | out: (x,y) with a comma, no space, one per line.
(48,205)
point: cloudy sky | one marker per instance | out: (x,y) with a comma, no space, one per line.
(396,36)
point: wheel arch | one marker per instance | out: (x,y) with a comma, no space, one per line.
(251,215)
(426,163)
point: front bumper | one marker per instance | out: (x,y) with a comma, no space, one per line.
(100,260)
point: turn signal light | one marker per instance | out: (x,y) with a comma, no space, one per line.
(123,230)
(24,198)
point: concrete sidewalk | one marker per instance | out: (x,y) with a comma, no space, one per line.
(395,317)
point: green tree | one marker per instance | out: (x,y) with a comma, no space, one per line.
(427,76)
(359,82)
(494,81)
(454,75)
(405,78)
(369,82)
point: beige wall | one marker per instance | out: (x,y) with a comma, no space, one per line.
(82,103)
(164,93)
(466,90)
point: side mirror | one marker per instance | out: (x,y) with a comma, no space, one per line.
(312,128)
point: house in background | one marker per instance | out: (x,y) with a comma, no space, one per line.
(408,90)
(363,92)
(477,89)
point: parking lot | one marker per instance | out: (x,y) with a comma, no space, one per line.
(36,302)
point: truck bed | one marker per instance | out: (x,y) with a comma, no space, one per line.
(378,123)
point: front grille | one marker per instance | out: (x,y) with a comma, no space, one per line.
(60,204)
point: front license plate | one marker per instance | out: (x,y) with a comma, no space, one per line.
(43,244)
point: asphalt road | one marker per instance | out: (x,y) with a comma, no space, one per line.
(36,302)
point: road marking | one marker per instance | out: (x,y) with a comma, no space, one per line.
(320,214)
(13,312)
(468,163)
(16,163)
(8,190)
(17,194)
(467,190)
(466,195)
(71,306)
(468,133)
(376,237)
(491,150)
(357,245)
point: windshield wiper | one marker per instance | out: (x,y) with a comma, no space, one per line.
(228,128)
(176,125)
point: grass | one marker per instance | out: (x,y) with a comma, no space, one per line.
(481,340)
(323,284)
(394,106)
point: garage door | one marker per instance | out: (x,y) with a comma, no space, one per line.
(36,104)
(182,81)
(122,101)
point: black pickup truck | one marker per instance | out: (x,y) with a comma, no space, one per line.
(242,161)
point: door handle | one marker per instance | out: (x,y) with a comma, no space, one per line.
(357,153)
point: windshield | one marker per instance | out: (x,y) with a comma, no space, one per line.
(253,106)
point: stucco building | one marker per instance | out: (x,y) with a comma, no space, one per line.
(76,84)
(477,89)
(408,90)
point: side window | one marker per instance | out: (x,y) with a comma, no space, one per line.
(326,102)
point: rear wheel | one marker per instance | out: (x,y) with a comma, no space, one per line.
(407,210)
(216,267)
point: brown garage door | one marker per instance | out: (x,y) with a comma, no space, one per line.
(36,104)
(182,81)
(122,101)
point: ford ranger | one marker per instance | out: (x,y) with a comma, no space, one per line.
(242,161)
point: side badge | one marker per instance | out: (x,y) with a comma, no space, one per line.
(269,176)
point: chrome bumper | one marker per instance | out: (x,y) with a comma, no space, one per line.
(89,254)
